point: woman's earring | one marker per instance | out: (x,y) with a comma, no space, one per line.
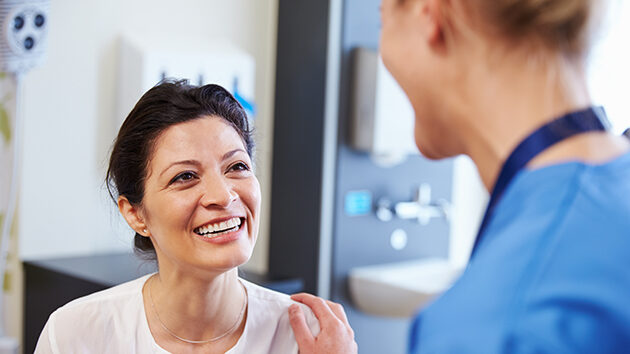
(145,231)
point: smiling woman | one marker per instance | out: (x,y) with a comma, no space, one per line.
(199,179)
(181,173)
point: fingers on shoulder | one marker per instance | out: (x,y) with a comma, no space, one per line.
(307,299)
(311,320)
(301,330)
(319,306)
(327,312)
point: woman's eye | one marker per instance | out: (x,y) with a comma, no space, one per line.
(240,166)
(183,177)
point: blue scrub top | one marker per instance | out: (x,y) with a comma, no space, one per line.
(552,273)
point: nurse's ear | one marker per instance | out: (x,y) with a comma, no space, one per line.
(429,15)
(133,216)
(448,26)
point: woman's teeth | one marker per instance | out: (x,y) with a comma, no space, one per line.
(219,228)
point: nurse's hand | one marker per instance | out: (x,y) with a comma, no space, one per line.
(335,335)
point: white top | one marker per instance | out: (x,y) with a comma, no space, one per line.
(114,321)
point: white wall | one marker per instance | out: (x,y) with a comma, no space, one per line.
(470,198)
(609,66)
(70,106)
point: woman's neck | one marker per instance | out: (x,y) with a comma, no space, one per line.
(516,98)
(195,307)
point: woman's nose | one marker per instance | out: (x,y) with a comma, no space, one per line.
(218,192)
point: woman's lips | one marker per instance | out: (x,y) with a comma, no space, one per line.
(219,225)
(226,235)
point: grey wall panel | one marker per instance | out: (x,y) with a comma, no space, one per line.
(298,132)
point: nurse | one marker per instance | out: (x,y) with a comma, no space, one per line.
(503,82)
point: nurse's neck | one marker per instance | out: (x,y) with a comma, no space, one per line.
(509,100)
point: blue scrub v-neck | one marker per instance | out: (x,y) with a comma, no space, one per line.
(552,273)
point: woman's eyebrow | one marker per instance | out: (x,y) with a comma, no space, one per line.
(231,153)
(183,162)
(197,163)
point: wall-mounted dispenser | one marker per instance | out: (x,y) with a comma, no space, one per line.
(382,118)
(146,61)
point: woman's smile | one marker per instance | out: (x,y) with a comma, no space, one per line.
(219,226)
(222,230)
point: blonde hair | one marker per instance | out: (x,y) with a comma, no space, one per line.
(566,26)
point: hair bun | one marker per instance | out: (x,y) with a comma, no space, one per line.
(560,24)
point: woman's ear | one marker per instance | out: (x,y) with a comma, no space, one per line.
(133,216)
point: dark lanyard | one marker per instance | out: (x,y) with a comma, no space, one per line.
(588,120)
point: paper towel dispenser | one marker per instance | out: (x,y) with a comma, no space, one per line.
(382,118)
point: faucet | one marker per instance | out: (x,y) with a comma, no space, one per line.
(421,208)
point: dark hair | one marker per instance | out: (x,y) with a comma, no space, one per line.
(166,104)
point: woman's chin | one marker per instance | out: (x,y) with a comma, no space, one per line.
(224,259)
(234,259)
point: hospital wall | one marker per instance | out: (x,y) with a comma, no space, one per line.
(69,106)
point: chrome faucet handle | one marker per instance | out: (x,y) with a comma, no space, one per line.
(422,208)
(415,210)
(424,194)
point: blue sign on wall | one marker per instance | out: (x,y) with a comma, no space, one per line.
(358,203)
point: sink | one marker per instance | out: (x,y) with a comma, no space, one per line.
(400,289)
